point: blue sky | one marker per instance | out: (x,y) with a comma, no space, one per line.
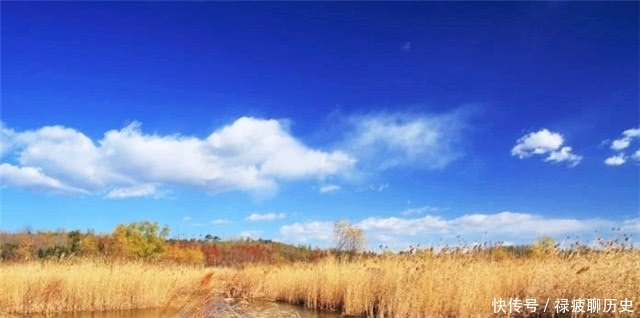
(416,121)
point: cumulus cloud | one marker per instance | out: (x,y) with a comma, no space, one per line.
(615,160)
(545,142)
(268,144)
(307,231)
(620,145)
(33,178)
(250,154)
(6,139)
(506,225)
(254,217)
(623,142)
(62,153)
(499,223)
(390,140)
(329,188)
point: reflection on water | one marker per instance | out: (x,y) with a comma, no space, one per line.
(156,313)
(142,313)
(305,313)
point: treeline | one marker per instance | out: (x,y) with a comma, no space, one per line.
(147,241)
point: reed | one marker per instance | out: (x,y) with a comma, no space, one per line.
(449,284)
(453,285)
(91,285)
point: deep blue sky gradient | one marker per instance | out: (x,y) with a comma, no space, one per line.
(191,68)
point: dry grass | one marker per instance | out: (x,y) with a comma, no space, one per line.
(443,286)
(426,285)
(91,286)
(203,303)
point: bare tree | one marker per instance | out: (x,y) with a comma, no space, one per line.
(348,237)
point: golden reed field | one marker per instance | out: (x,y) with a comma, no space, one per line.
(453,284)
(446,286)
(86,285)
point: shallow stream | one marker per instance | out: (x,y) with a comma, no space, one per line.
(156,313)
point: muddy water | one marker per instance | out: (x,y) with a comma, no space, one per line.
(143,313)
(152,313)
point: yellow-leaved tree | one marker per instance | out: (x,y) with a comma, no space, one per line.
(348,237)
(139,240)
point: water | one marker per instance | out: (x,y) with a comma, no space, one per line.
(141,313)
(157,313)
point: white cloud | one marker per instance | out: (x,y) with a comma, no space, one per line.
(250,234)
(564,154)
(33,178)
(615,160)
(220,221)
(499,223)
(255,217)
(545,142)
(265,143)
(631,226)
(393,231)
(6,139)
(250,155)
(523,224)
(386,140)
(632,133)
(329,188)
(540,142)
(621,144)
(142,190)
(305,232)
(407,226)
(186,219)
(62,153)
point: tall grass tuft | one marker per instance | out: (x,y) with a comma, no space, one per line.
(449,284)
(86,285)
